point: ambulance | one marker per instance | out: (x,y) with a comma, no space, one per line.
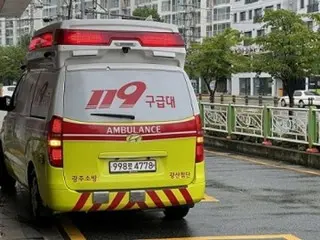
(104,119)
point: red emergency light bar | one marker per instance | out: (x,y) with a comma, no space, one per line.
(105,38)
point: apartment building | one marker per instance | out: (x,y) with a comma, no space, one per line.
(196,18)
(245,16)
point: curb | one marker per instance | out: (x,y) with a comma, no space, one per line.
(310,160)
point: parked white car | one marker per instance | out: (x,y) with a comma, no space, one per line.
(7,90)
(301,98)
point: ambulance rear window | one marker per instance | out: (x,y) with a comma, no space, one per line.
(126,95)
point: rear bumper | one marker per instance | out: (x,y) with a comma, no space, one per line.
(61,199)
(68,201)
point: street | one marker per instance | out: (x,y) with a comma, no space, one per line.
(246,199)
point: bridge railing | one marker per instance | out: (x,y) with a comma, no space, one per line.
(295,125)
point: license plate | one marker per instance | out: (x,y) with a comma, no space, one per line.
(132,166)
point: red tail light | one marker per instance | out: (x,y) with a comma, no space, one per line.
(199,143)
(105,38)
(96,37)
(55,142)
(41,41)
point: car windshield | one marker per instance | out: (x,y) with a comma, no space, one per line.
(311,93)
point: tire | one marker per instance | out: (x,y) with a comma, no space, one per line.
(301,104)
(40,214)
(176,213)
(7,182)
(283,103)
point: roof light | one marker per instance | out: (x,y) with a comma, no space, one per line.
(41,41)
(105,38)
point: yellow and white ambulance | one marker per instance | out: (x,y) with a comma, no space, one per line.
(104,119)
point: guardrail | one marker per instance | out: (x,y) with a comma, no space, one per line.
(241,99)
(295,125)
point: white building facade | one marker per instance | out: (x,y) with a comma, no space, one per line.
(245,14)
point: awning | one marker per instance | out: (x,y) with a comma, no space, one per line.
(13,8)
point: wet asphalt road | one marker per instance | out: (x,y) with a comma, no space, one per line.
(253,200)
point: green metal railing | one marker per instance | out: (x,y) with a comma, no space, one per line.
(296,125)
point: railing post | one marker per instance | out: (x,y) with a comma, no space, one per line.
(312,130)
(266,126)
(260,100)
(233,99)
(246,99)
(201,108)
(221,98)
(275,101)
(231,120)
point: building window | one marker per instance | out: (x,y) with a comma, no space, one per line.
(260,32)
(209,16)
(301,3)
(209,31)
(197,18)
(219,28)
(9,41)
(242,16)
(166,18)
(310,24)
(221,13)
(247,35)
(279,6)
(165,6)
(269,8)
(262,86)
(245,86)
(220,2)
(250,14)
(235,17)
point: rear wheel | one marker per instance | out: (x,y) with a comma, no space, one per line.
(283,103)
(176,213)
(40,214)
(7,182)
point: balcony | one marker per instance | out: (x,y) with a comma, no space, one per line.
(13,8)
(314,7)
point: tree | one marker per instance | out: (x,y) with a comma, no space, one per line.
(24,41)
(11,59)
(145,12)
(289,49)
(215,60)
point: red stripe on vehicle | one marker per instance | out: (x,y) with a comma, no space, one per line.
(95,207)
(128,206)
(172,198)
(185,193)
(81,201)
(155,198)
(92,137)
(121,130)
(116,201)
(142,205)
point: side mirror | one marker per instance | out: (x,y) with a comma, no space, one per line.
(5,103)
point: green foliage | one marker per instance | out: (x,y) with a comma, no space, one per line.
(145,12)
(11,59)
(24,41)
(214,59)
(290,49)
